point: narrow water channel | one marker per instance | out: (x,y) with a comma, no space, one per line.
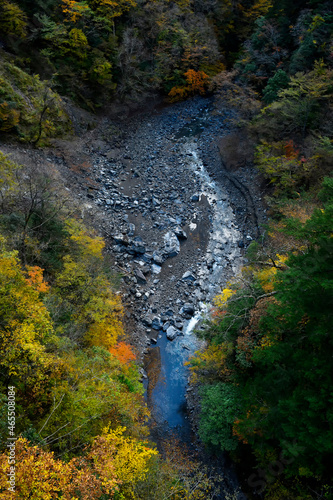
(165,363)
(167,398)
(166,189)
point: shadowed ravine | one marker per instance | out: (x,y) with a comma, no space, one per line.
(213,230)
(178,222)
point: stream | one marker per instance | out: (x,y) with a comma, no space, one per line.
(167,399)
(177,222)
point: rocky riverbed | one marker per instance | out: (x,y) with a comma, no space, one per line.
(176,222)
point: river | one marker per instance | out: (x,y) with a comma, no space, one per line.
(177,222)
(213,229)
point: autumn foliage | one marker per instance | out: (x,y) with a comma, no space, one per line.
(62,345)
(122,352)
(40,475)
(197,82)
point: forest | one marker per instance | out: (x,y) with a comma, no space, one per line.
(265,375)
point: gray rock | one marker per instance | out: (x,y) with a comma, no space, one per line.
(166,325)
(121,239)
(187,310)
(169,313)
(155,269)
(156,323)
(138,246)
(188,276)
(179,324)
(147,320)
(131,229)
(172,333)
(210,262)
(180,233)
(140,276)
(147,258)
(157,258)
(119,248)
(145,269)
(171,244)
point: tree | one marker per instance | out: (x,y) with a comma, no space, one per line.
(29,107)
(292,375)
(85,292)
(277,82)
(197,82)
(26,333)
(284,167)
(39,475)
(74,11)
(264,52)
(13,20)
(240,98)
(220,408)
(111,8)
(279,356)
(48,98)
(311,33)
(25,322)
(301,106)
(9,117)
(90,390)
(129,457)
(8,180)
(32,204)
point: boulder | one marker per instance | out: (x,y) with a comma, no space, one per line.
(156,323)
(147,320)
(166,325)
(157,258)
(172,333)
(121,239)
(188,276)
(131,229)
(145,269)
(171,244)
(140,276)
(187,310)
(180,233)
(179,324)
(138,245)
(155,269)
(169,312)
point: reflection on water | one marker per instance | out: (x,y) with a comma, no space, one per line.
(167,383)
